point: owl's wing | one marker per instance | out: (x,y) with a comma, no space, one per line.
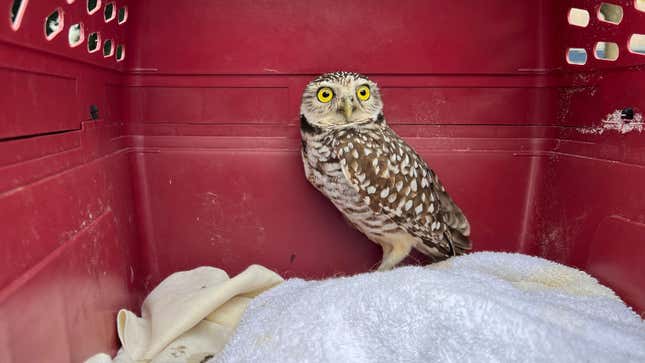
(393,180)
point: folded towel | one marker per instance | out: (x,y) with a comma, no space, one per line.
(483,307)
(189,316)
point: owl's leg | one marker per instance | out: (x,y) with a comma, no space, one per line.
(394,251)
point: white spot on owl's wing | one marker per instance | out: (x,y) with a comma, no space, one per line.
(408,205)
(413,185)
(392,198)
(400,205)
(406,190)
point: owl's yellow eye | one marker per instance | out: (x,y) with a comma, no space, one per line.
(325,94)
(363,93)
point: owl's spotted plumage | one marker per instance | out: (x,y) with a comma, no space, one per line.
(374,177)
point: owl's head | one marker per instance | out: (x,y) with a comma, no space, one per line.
(340,98)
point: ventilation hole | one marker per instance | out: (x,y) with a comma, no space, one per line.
(76,35)
(93,42)
(54,24)
(637,44)
(120,52)
(108,48)
(576,56)
(16,13)
(93,6)
(640,5)
(123,15)
(610,13)
(109,14)
(606,51)
(578,17)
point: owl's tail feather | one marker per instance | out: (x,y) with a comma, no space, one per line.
(453,243)
(460,243)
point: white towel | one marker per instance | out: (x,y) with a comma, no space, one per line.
(483,307)
(189,316)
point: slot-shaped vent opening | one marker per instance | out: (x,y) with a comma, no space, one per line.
(108,48)
(123,15)
(94,42)
(577,56)
(93,6)
(109,13)
(578,17)
(54,24)
(16,13)
(610,13)
(637,44)
(76,35)
(639,5)
(606,51)
(120,52)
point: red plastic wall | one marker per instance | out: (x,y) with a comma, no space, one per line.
(195,159)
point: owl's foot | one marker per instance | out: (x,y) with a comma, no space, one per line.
(393,253)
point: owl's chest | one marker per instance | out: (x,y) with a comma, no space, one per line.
(324,171)
(327,176)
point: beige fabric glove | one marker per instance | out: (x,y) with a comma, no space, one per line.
(190,315)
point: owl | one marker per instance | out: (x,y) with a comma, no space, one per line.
(376,180)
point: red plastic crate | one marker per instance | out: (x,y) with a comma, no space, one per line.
(194,159)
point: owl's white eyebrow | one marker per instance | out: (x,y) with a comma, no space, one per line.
(326,84)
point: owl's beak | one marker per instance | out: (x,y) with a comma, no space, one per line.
(347,108)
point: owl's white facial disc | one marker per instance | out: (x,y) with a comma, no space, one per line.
(340,98)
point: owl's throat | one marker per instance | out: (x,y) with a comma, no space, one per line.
(310,128)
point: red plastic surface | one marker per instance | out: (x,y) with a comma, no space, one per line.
(195,158)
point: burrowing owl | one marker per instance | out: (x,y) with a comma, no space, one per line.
(372,176)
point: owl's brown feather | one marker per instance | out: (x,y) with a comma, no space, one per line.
(395,181)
